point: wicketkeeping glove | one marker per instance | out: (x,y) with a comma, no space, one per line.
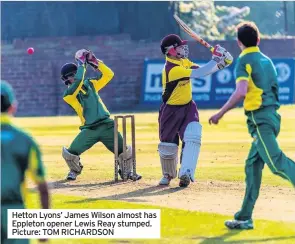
(92,60)
(81,56)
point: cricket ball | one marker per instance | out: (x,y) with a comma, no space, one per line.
(30,50)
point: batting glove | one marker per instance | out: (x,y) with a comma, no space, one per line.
(228,58)
(222,57)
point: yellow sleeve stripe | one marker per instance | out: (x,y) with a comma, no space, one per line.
(267,152)
(107,75)
(23,189)
(33,167)
(242,78)
(249,71)
(74,103)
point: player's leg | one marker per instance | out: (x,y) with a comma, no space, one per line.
(268,148)
(83,141)
(107,138)
(169,158)
(190,133)
(253,170)
(169,122)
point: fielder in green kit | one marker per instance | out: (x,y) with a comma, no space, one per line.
(257,85)
(97,126)
(20,157)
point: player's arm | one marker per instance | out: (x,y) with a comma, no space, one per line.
(78,80)
(180,73)
(70,96)
(193,65)
(37,173)
(106,73)
(71,93)
(243,74)
(220,59)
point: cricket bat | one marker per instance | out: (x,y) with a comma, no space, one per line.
(193,34)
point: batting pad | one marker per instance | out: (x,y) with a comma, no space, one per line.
(128,158)
(169,157)
(73,161)
(191,150)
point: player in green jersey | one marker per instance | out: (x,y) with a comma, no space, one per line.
(257,85)
(97,126)
(20,157)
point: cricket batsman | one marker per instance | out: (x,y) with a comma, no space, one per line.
(257,85)
(97,126)
(178,114)
(20,157)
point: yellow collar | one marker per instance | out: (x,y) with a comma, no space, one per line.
(173,61)
(5,118)
(250,50)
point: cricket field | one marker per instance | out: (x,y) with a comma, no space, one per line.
(191,215)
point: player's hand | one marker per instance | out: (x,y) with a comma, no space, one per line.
(92,60)
(218,52)
(228,58)
(215,118)
(81,56)
(222,57)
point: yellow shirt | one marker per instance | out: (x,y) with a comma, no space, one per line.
(177,86)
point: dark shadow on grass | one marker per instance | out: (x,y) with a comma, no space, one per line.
(60,184)
(218,239)
(145,192)
(230,233)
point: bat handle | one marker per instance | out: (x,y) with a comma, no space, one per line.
(211,49)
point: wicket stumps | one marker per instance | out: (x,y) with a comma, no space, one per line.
(116,148)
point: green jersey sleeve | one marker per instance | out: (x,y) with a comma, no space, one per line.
(35,164)
(78,82)
(242,70)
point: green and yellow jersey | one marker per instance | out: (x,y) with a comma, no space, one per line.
(177,86)
(82,96)
(20,158)
(258,69)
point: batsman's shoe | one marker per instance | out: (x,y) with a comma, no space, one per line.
(72,175)
(165,181)
(185,180)
(239,224)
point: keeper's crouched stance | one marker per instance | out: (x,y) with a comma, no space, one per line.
(178,115)
(97,126)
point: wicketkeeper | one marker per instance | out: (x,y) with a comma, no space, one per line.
(97,126)
(178,115)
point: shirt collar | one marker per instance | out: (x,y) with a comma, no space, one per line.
(250,50)
(174,61)
(5,118)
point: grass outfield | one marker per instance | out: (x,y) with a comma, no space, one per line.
(180,226)
(224,149)
(223,152)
